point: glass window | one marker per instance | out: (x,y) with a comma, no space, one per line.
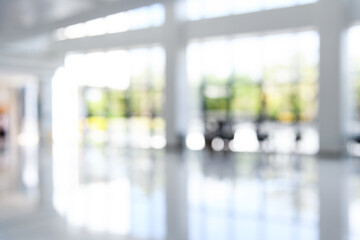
(354,54)
(145,17)
(198,9)
(120,96)
(244,82)
(95,27)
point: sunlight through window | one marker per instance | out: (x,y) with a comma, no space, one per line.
(199,9)
(144,17)
(250,85)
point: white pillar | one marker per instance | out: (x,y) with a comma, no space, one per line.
(45,98)
(45,155)
(176,83)
(333,101)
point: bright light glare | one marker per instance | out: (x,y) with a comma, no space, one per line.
(247,57)
(279,3)
(284,140)
(144,17)
(98,207)
(279,50)
(214,8)
(197,9)
(117,23)
(158,142)
(212,51)
(272,58)
(139,18)
(139,60)
(195,141)
(65,175)
(157,14)
(28,139)
(216,192)
(245,140)
(247,6)
(354,39)
(95,27)
(30,173)
(355,217)
(100,69)
(102,207)
(65,109)
(74,31)
(194,9)
(310,141)
(116,70)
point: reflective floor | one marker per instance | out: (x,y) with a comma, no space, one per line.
(101,193)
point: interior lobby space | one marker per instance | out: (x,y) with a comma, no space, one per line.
(180,119)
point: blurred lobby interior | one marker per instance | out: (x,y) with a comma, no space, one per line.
(180,119)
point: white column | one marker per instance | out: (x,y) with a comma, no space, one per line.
(45,99)
(333,101)
(45,155)
(176,83)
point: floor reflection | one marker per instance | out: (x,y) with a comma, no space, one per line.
(254,197)
(107,193)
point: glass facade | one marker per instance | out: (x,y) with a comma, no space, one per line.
(272,79)
(247,86)
(354,69)
(120,96)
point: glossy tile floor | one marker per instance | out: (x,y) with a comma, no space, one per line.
(70,193)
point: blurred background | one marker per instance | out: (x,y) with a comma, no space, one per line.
(179,119)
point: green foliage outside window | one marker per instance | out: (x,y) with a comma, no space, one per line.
(285,102)
(96,102)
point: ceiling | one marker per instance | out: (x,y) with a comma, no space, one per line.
(20,40)
(20,19)
(26,26)
(21,14)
